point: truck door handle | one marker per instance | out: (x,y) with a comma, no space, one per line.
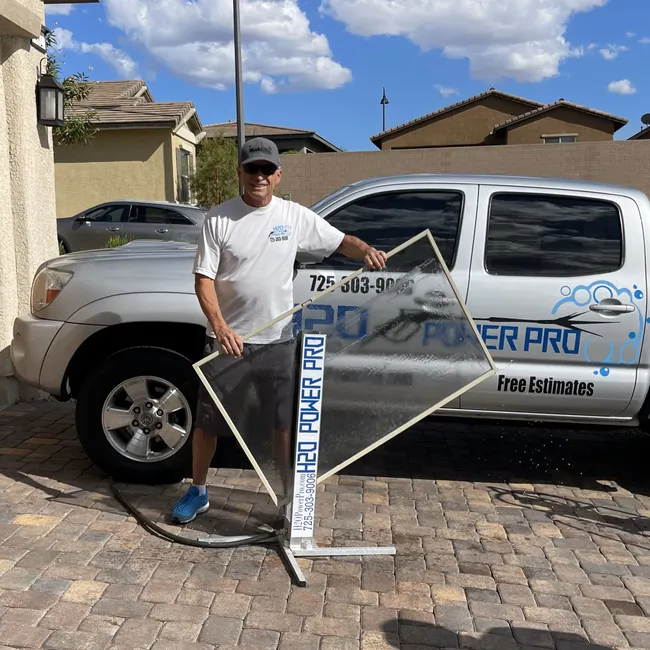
(612,309)
(162,231)
(113,228)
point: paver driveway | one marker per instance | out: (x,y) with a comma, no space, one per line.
(505,540)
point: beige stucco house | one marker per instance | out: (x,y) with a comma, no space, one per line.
(141,149)
(496,118)
(28,213)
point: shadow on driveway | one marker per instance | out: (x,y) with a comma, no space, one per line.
(443,448)
(502,455)
(407,633)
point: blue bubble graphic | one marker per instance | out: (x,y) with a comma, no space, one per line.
(604,372)
(638,294)
(632,335)
(595,372)
(565,291)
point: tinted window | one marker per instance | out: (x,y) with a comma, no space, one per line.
(533,234)
(148,214)
(178,219)
(110,213)
(388,220)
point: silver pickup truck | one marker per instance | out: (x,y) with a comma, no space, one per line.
(554,273)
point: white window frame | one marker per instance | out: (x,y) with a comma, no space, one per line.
(559,138)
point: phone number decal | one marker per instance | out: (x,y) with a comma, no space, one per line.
(360,284)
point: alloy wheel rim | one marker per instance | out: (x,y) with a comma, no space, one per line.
(146,419)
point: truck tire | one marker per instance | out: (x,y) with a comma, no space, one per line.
(124,426)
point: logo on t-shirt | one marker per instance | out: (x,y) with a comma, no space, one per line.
(280,233)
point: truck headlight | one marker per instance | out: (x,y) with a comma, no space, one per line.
(47,285)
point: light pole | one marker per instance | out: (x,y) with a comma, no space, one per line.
(238,80)
(384,101)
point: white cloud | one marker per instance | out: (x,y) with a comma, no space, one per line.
(194,41)
(64,39)
(59,10)
(612,51)
(622,87)
(645,40)
(630,34)
(445,91)
(522,39)
(123,64)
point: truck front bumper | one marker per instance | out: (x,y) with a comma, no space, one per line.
(32,338)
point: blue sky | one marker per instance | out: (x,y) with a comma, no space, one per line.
(321,64)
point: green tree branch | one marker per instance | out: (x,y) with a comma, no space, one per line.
(215,179)
(78,128)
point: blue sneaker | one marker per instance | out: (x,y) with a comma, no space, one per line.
(190,505)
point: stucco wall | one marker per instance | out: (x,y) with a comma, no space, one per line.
(310,178)
(588,128)
(115,164)
(466,125)
(27,216)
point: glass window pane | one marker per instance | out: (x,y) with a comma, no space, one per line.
(177,218)
(148,214)
(390,361)
(387,220)
(553,236)
(111,213)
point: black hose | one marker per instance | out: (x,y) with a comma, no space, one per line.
(154,529)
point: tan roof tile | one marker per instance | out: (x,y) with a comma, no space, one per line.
(154,113)
(113,91)
(549,107)
(229,129)
(115,104)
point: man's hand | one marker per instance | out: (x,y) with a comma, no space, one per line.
(374,259)
(356,249)
(231,343)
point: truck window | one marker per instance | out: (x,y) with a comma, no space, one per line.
(387,220)
(552,236)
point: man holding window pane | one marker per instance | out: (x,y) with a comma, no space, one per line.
(244,279)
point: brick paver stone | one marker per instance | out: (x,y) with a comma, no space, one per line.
(488,557)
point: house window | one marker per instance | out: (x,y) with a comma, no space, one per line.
(184,170)
(552,236)
(559,139)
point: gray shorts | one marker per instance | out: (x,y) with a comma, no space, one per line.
(257,387)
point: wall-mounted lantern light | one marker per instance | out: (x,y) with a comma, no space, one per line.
(49,101)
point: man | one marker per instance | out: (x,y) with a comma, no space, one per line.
(243,280)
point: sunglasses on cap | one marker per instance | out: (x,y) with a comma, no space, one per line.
(255,168)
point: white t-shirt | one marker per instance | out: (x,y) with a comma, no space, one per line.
(250,253)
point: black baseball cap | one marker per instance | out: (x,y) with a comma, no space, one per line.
(259,150)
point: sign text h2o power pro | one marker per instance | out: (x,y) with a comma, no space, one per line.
(310,400)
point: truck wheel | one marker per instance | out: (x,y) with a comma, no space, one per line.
(135,413)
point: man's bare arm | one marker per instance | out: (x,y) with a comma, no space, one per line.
(355,248)
(229,340)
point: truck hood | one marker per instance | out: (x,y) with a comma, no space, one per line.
(146,250)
